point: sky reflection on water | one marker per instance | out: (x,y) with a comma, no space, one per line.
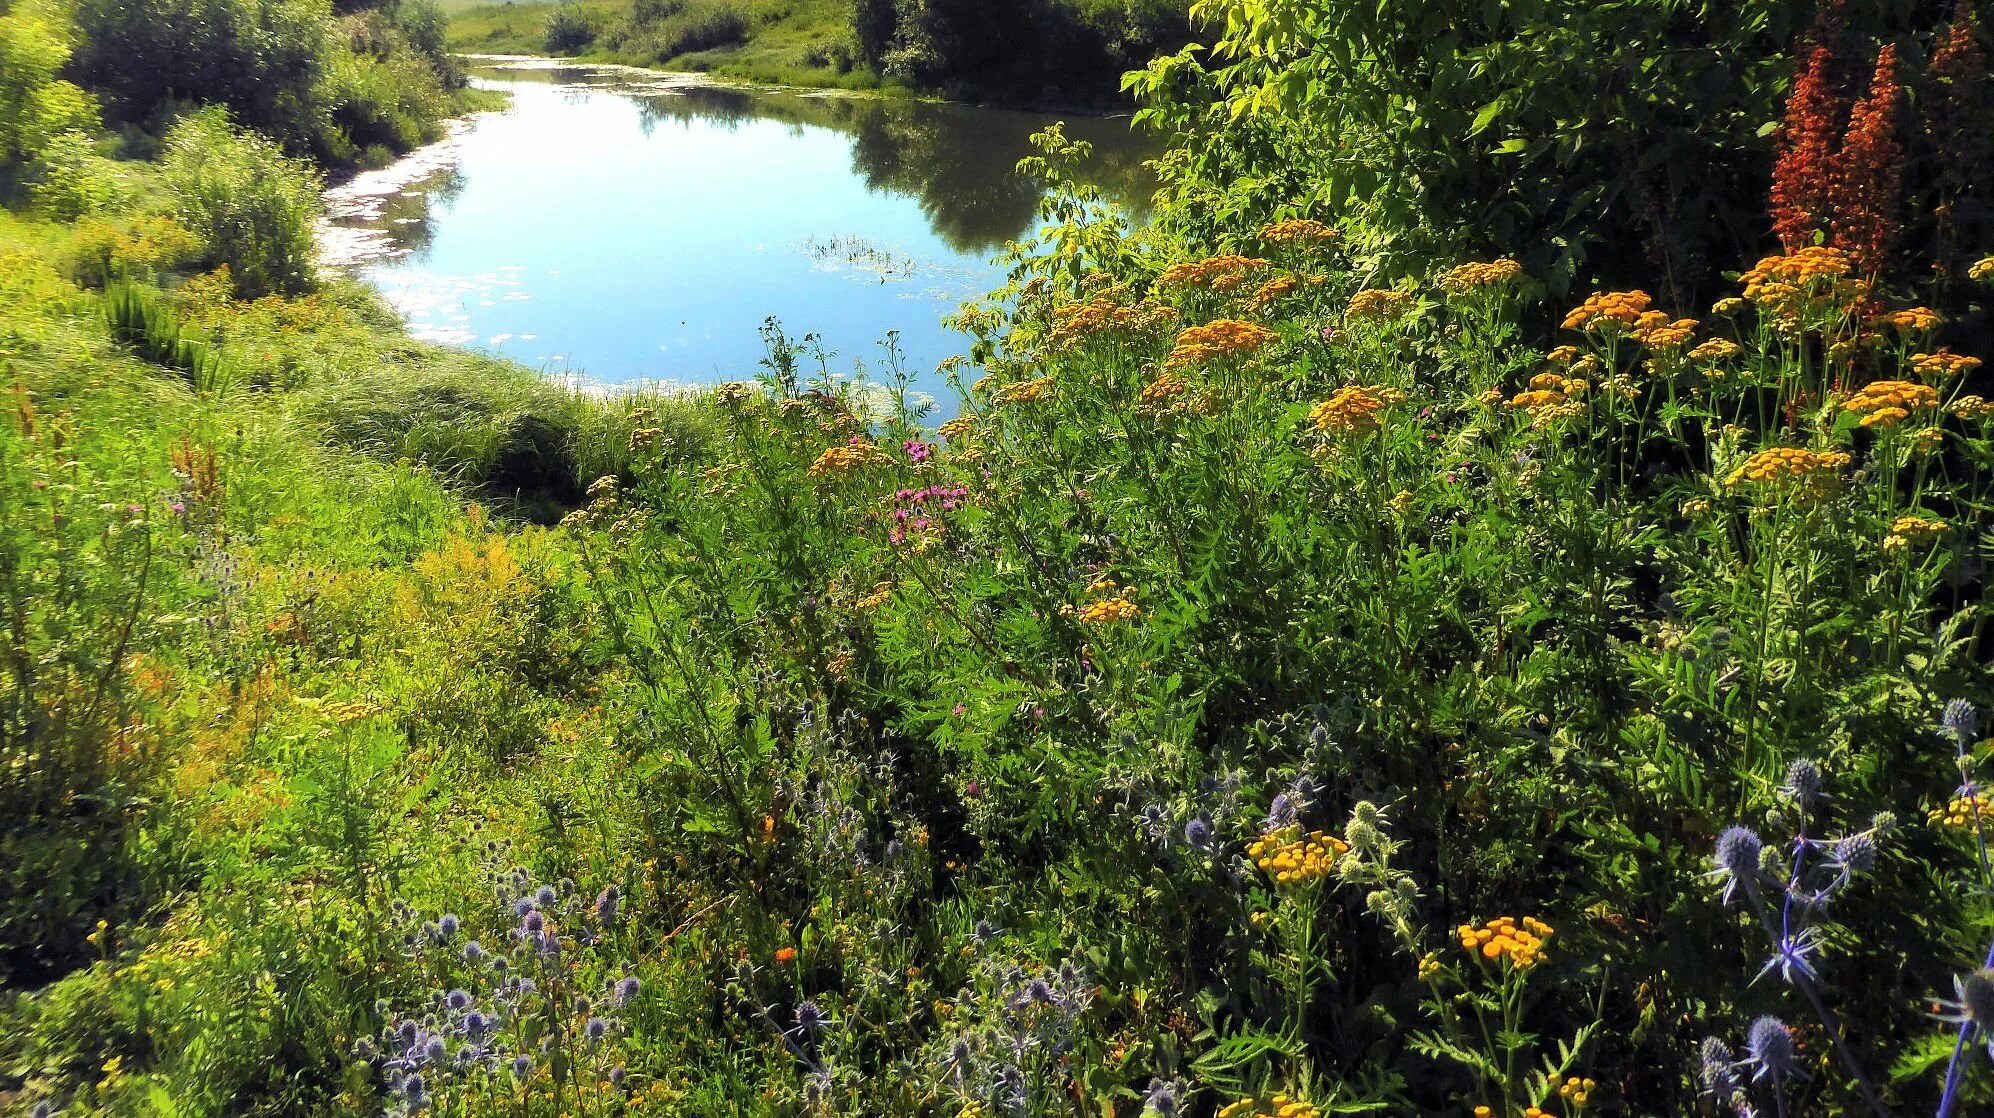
(643,231)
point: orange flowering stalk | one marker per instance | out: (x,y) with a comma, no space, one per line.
(1868,171)
(1550,398)
(1806,149)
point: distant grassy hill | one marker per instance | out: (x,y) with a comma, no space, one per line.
(790,42)
(1036,51)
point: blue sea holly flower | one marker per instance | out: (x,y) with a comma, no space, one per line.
(1161,1099)
(473,952)
(1198,832)
(1715,1069)
(616,1076)
(595,1029)
(458,1000)
(545,897)
(1852,855)
(1790,957)
(522,1066)
(1973,1003)
(606,903)
(1281,813)
(447,924)
(1803,782)
(810,1019)
(1961,720)
(1736,861)
(1769,1050)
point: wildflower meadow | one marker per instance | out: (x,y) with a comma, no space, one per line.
(1320,661)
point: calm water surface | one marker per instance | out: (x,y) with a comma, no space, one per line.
(628,227)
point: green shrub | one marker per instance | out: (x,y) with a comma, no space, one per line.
(568,28)
(68,178)
(252,207)
(263,59)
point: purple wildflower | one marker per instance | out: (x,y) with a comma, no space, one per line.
(606,903)
(1769,1050)
(1736,862)
(1962,721)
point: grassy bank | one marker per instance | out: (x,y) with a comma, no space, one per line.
(1051,52)
(776,42)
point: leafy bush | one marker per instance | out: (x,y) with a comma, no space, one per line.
(252,207)
(1558,133)
(262,59)
(569,28)
(142,246)
(68,178)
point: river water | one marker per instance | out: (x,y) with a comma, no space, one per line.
(623,226)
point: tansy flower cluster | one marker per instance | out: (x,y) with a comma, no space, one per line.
(1293,858)
(1501,938)
(1973,407)
(1943,365)
(1165,388)
(1608,312)
(1551,397)
(957,429)
(1982,270)
(1220,273)
(1885,403)
(1716,349)
(1227,337)
(1026,392)
(1965,811)
(1910,320)
(1353,409)
(1658,332)
(1907,530)
(1464,278)
(1104,314)
(1378,304)
(1297,230)
(1807,284)
(1110,604)
(1805,474)
(1280,1106)
(1271,291)
(846,459)
(1576,1090)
